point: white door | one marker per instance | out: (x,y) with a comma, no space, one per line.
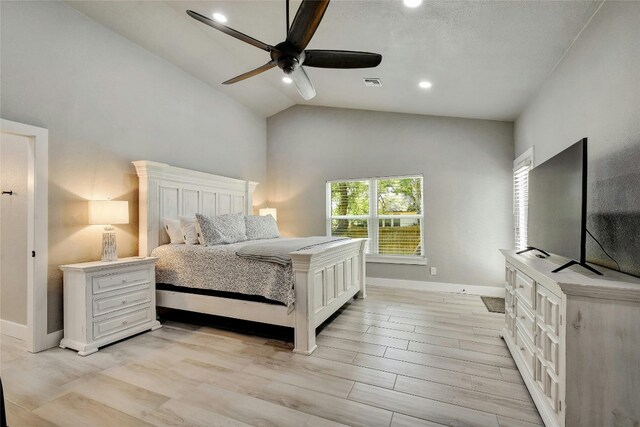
(14,248)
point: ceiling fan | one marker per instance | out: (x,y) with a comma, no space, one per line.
(290,55)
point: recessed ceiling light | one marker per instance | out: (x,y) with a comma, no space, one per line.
(287,80)
(412,3)
(425,84)
(220,17)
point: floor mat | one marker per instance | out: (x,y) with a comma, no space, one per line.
(494,305)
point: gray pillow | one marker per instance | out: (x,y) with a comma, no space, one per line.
(261,227)
(221,229)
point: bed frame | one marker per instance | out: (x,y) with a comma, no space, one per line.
(326,277)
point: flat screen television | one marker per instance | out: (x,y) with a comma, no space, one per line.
(557,218)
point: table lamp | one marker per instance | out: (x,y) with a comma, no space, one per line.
(269,211)
(107,213)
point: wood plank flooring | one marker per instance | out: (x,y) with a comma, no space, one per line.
(397,358)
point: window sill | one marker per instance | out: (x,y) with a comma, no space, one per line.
(381,259)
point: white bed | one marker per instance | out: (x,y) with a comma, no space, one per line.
(325,277)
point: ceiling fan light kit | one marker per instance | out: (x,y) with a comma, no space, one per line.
(412,3)
(291,54)
(220,17)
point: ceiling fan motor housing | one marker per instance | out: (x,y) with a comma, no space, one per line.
(287,57)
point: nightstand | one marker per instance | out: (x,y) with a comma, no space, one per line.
(108,301)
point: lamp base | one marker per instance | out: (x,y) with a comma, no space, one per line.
(109,245)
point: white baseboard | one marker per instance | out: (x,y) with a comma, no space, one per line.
(53,339)
(13,329)
(489,291)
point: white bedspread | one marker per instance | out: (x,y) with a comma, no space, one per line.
(219,268)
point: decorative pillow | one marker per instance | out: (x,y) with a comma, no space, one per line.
(222,229)
(261,227)
(189,233)
(172,227)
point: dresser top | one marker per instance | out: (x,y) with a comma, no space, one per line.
(577,280)
(104,265)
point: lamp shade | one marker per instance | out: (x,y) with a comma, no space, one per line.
(269,211)
(107,212)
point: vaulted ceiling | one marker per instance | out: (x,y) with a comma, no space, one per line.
(485,59)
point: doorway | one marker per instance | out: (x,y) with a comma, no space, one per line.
(23,234)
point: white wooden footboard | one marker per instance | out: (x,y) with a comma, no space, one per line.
(326,277)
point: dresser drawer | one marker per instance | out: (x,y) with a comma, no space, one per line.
(552,389)
(525,289)
(509,299)
(111,282)
(525,319)
(526,351)
(552,313)
(509,277)
(510,323)
(541,373)
(117,302)
(120,323)
(551,350)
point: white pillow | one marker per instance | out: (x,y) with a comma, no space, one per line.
(172,227)
(188,227)
(261,227)
(222,229)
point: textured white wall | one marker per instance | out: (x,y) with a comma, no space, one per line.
(467,166)
(106,102)
(595,93)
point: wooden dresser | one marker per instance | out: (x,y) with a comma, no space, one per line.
(575,338)
(108,301)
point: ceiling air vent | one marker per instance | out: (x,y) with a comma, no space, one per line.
(372,82)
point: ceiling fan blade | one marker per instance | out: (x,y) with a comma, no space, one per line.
(269,65)
(306,22)
(341,59)
(303,84)
(230,31)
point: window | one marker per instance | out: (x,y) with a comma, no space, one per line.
(521,168)
(386,210)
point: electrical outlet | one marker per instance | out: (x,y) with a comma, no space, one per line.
(434,271)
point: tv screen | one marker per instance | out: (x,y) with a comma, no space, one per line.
(557,203)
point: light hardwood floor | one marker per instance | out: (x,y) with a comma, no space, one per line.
(397,358)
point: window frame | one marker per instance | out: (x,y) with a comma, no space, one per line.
(524,161)
(373,219)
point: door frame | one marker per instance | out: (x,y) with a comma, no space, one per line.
(36,338)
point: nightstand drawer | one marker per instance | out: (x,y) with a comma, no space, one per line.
(110,282)
(107,305)
(116,324)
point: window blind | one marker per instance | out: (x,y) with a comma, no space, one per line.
(521,204)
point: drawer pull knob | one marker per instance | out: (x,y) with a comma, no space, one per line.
(124,302)
(521,348)
(124,322)
(521,286)
(522,317)
(124,280)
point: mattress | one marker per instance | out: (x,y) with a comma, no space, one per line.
(218,268)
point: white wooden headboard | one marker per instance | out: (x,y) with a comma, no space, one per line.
(169,192)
